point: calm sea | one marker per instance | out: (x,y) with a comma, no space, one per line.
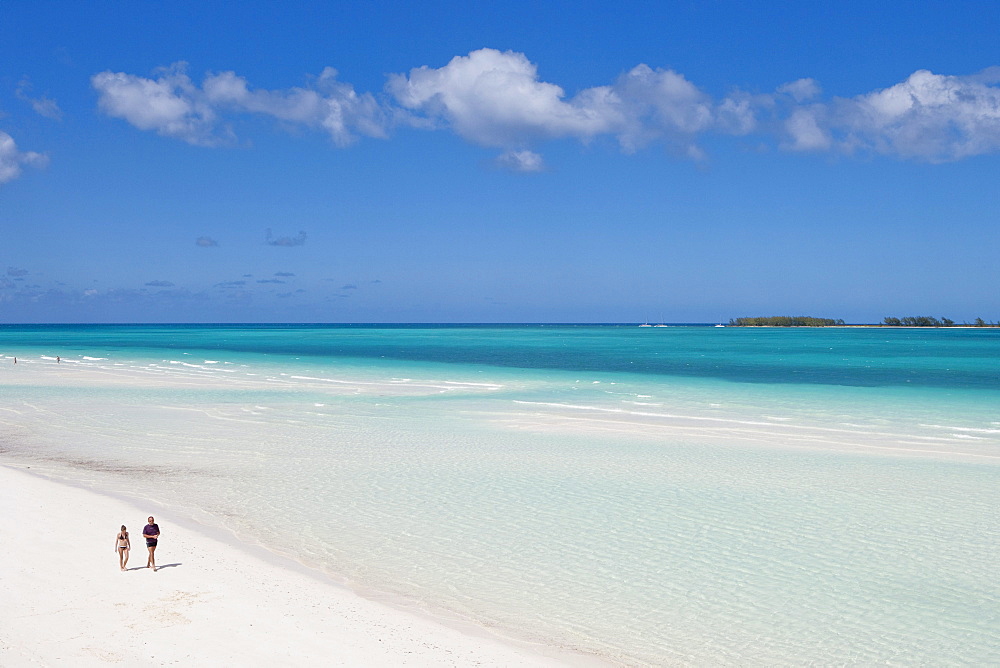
(655,496)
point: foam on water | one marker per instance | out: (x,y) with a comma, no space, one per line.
(647,518)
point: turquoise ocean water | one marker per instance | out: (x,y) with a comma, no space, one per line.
(653,496)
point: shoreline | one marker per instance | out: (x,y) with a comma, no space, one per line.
(322,487)
(66,601)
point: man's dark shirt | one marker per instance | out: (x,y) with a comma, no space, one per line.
(151,531)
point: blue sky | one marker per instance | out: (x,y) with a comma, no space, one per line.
(498,162)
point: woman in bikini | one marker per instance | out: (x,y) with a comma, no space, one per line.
(122,546)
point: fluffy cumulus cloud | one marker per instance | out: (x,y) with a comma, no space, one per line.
(170,104)
(929,117)
(12,159)
(173,105)
(206,242)
(498,99)
(656,103)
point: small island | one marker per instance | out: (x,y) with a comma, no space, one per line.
(888,321)
(784,321)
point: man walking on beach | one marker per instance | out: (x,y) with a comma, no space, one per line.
(151,532)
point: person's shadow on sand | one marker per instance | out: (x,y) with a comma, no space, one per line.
(159,568)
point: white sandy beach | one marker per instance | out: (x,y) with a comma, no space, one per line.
(213,602)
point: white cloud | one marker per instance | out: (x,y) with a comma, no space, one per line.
(803,128)
(654,103)
(929,117)
(521,161)
(333,105)
(737,113)
(174,106)
(170,104)
(11,159)
(496,98)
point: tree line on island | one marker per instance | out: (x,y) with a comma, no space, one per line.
(888,321)
(928,321)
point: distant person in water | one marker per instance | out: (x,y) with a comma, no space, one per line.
(122,547)
(58,359)
(151,532)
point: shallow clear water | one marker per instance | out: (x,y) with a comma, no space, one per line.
(683,495)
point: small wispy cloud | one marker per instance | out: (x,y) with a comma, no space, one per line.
(271,280)
(16,271)
(272,240)
(284,274)
(521,161)
(800,89)
(230,284)
(43,105)
(349,286)
(160,284)
(206,242)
